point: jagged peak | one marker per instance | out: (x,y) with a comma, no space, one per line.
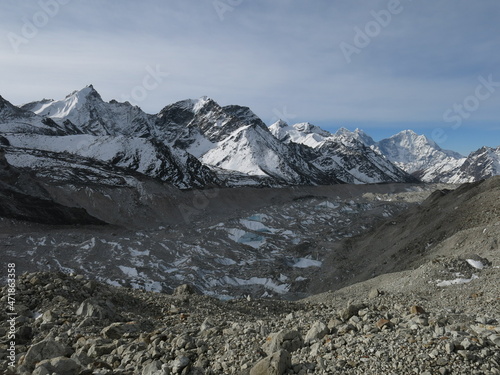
(343,131)
(308,128)
(87,91)
(280,124)
(407,133)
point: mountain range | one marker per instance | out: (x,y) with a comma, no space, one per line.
(199,144)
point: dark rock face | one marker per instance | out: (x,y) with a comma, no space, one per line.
(481,164)
(18,202)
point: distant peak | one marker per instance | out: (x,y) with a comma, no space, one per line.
(343,131)
(280,124)
(201,102)
(407,133)
(86,91)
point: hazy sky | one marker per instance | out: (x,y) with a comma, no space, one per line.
(383,66)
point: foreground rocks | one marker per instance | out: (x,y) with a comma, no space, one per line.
(70,326)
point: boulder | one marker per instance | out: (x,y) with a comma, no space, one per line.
(276,364)
(284,339)
(60,366)
(46,349)
(316,332)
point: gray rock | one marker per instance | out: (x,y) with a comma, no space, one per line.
(316,332)
(185,290)
(207,324)
(495,339)
(184,341)
(46,349)
(284,339)
(276,364)
(40,371)
(374,293)
(61,366)
(91,308)
(449,347)
(97,351)
(155,368)
(49,316)
(349,311)
(117,330)
(180,363)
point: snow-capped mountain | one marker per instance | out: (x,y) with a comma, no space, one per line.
(83,125)
(424,159)
(341,154)
(233,138)
(85,112)
(198,143)
(419,155)
(480,164)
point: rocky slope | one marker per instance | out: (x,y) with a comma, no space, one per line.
(481,164)
(407,239)
(71,326)
(23,198)
(226,242)
(439,313)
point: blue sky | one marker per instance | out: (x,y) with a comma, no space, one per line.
(383,66)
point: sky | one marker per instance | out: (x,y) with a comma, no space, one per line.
(382,66)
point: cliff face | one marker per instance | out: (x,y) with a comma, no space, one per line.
(22,198)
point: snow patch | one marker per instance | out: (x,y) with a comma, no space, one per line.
(475,263)
(307,262)
(265,282)
(457,281)
(129,271)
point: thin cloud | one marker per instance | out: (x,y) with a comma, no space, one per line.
(271,56)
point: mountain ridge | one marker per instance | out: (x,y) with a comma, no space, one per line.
(235,147)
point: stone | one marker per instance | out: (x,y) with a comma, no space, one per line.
(383,323)
(91,308)
(276,364)
(317,331)
(441,361)
(207,324)
(334,323)
(97,351)
(466,344)
(180,363)
(49,316)
(61,366)
(349,311)
(40,371)
(46,349)
(374,293)
(449,347)
(185,290)
(155,368)
(284,339)
(495,339)
(185,341)
(116,330)
(24,334)
(417,310)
